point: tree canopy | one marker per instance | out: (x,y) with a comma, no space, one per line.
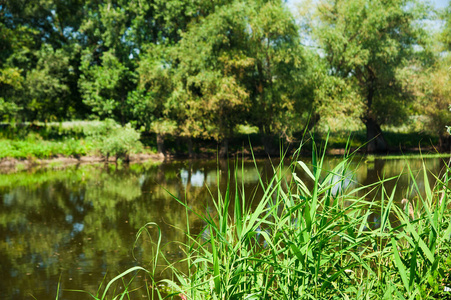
(201,69)
(365,45)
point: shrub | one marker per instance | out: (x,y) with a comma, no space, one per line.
(112,139)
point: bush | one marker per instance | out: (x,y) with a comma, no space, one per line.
(112,139)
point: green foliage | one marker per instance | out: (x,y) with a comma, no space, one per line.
(365,44)
(38,43)
(8,108)
(198,69)
(70,139)
(114,140)
(151,105)
(103,87)
(50,131)
(433,88)
(34,147)
(243,61)
(47,92)
(446,33)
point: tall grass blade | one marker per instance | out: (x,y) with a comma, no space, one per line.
(216,275)
(400,265)
(120,276)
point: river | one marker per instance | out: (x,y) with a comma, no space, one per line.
(72,228)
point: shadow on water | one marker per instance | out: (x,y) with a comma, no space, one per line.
(80,223)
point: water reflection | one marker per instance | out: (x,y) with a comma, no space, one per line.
(80,223)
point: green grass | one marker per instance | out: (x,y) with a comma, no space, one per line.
(37,148)
(31,141)
(303,240)
(48,131)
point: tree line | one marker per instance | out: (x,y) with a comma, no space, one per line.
(199,69)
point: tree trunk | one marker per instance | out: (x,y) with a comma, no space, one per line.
(160,144)
(267,141)
(374,136)
(189,144)
(313,120)
(224,148)
(444,142)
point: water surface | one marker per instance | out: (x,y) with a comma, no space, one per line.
(76,226)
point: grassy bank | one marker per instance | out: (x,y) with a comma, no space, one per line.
(37,148)
(75,139)
(80,138)
(321,238)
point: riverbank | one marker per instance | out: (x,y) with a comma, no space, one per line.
(29,157)
(24,146)
(59,161)
(9,165)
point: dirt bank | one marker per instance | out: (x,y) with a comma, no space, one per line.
(12,164)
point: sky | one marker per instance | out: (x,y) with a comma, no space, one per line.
(437,3)
(435,25)
(440,3)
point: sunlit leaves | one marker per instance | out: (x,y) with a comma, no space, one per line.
(103,86)
(365,43)
(432,89)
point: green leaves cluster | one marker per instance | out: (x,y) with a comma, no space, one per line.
(114,140)
(200,69)
(366,44)
(193,69)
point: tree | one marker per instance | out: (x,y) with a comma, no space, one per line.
(105,87)
(434,92)
(107,64)
(365,44)
(38,59)
(446,32)
(17,43)
(126,42)
(243,62)
(48,92)
(279,80)
(10,82)
(150,104)
(209,59)
(159,101)
(432,85)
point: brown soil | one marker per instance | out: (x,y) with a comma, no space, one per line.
(12,164)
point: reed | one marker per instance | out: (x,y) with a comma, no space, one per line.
(313,239)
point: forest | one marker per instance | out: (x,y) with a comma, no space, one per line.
(209,69)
